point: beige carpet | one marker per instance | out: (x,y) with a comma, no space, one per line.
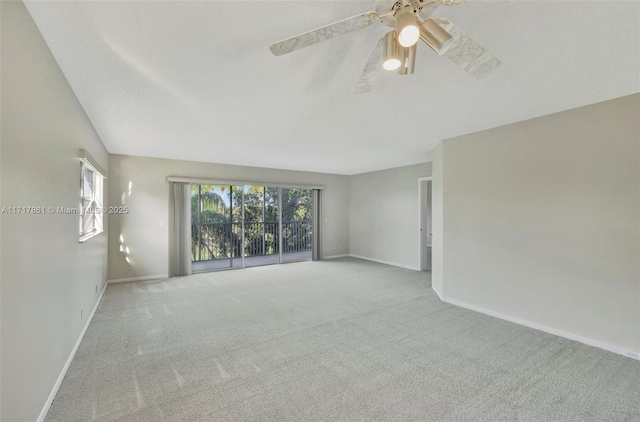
(339,340)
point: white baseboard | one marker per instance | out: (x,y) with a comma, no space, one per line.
(393,264)
(346,255)
(536,326)
(56,386)
(437,293)
(144,278)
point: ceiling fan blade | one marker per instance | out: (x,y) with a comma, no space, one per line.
(323,33)
(468,54)
(371,71)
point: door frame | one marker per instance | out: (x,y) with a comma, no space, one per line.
(421,217)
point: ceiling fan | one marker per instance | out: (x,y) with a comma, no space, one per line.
(412,21)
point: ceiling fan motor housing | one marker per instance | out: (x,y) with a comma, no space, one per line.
(388,9)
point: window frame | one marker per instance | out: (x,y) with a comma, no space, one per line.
(90,203)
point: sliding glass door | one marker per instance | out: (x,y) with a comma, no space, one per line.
(261,225)
(214,235)
(244,226)
(297,217)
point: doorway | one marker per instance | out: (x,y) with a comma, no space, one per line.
(426,231)
(239,226)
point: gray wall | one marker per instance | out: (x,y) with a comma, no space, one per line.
(384,223)
(542,221)
(144,229)
(47,276)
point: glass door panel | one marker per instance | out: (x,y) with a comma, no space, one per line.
(260,226)
(212,237)
(297,220)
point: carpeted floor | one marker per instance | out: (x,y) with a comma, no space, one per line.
(338,340)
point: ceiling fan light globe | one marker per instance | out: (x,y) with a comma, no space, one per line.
(390,51)
(407,27)
(391,64)
(409,36)
(446,46)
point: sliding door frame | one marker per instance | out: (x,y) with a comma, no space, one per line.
(315,219)
(200,181)
(280,242)
(242,254)
(315,225)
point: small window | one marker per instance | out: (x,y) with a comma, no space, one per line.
(91,202)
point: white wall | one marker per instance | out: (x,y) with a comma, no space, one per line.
(542,221)
(46,275)
(148,203)
(384,215)
(437,213)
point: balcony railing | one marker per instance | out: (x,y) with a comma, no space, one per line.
(212,241)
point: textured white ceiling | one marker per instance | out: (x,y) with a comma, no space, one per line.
(196,80)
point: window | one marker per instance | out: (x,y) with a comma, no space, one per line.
(91,201)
